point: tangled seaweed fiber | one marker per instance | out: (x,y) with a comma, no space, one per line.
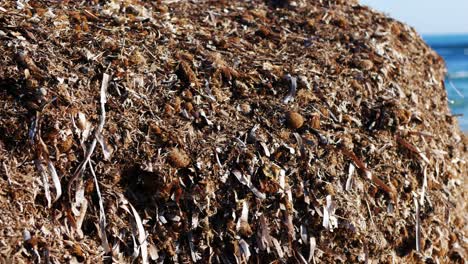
(224,132)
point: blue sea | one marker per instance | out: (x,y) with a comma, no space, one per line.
(454,50)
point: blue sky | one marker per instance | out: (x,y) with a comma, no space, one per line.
(427,16)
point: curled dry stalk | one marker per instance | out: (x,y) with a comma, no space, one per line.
(87,162)
(42,157)
(90,150)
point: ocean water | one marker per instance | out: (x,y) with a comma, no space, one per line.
(454,50)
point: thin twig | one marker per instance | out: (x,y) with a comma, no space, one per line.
(362,166)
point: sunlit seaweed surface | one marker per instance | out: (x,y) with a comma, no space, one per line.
(224,132)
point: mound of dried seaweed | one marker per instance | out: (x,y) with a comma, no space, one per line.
(224,132)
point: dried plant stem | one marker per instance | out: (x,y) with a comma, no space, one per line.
(362,166)
(102,120)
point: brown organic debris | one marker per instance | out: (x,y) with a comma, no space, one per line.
(224,132)
(294,120)
(178,158)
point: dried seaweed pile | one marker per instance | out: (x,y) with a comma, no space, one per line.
(224,132)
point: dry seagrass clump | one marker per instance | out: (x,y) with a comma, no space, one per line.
(179,158)
(224,132)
